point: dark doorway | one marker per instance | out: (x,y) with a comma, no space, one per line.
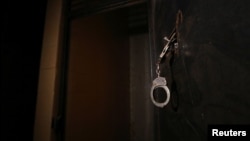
(109,77)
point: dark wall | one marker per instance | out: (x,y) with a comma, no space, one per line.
(21,42)
(209,73)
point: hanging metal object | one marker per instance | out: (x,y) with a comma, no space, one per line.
(161,82)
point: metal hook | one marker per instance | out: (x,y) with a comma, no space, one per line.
(167,45)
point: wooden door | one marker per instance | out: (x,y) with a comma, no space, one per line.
(120,39)
(98,79)
(108,79)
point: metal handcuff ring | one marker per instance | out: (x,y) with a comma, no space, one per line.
(161,82)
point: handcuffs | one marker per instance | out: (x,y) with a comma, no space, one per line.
(161,82)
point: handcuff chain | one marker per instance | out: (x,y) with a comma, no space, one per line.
(165,49)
